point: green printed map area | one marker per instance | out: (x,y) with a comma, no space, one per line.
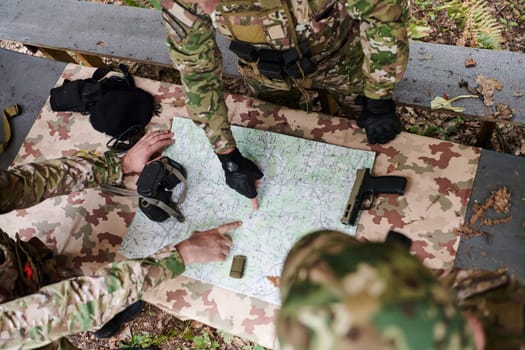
(305,188)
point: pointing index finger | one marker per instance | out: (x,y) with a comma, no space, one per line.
(228,227)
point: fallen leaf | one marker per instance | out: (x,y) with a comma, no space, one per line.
(470,62)
(274,280)
(487,87)
(503,112)
(101,43)
(441,103)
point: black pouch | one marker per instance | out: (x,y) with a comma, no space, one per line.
(119,110)
(76,95)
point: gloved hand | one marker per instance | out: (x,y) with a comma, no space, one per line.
(240,172)
(379,119)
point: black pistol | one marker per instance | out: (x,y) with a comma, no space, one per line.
(366,187)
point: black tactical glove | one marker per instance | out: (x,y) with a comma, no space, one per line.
(240,172)
(379,120)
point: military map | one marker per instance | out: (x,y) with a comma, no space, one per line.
(305,187)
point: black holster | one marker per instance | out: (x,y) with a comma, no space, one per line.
(155,186)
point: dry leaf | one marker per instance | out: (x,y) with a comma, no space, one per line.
(470,62)
(275,280)
(499,201)
(503,112)
(487,87)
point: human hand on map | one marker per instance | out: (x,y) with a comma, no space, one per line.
(241,174)
(205,246)
(149,146)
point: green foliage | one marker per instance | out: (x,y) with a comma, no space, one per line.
(438,131)
(203,341)
(227,338)
(187,333)
(418,29)
(480,27)
(426,6)
(144,3)
(145,340)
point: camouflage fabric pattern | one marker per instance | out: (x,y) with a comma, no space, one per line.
(24,185)
(87,227)
(338,293)
(358,47)
(82,303)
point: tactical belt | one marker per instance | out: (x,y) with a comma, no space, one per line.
(276,64)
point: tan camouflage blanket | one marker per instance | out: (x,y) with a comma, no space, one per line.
(88,226)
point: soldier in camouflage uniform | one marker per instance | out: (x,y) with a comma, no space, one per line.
(90,301)
(86,303)
(28,184)
(343,47)
(339,293)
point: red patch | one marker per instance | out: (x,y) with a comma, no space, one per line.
(250,119)
(212,306)
(446,154)
(388,151)
(68,152)
(260,318)
(112,239)
(31,151)
(28,271)
(445,186)
(178,297)
(165,93)
(418,247)
(392,217)
(128,217)
(65,116)
(71,198)
(97,214)
(450,247)
(63,133)
(21,213)
(329,125)
(26,233)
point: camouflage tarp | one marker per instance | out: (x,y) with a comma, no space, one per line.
(88,226)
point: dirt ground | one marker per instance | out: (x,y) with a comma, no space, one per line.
(155,327)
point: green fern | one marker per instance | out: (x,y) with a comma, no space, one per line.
(480,28)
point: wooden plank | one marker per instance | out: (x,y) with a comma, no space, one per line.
(57,55)
(90,60)
(137,34)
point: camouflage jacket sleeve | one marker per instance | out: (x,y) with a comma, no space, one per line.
(194,52)
(82,303)
(28,184)
(385,43)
